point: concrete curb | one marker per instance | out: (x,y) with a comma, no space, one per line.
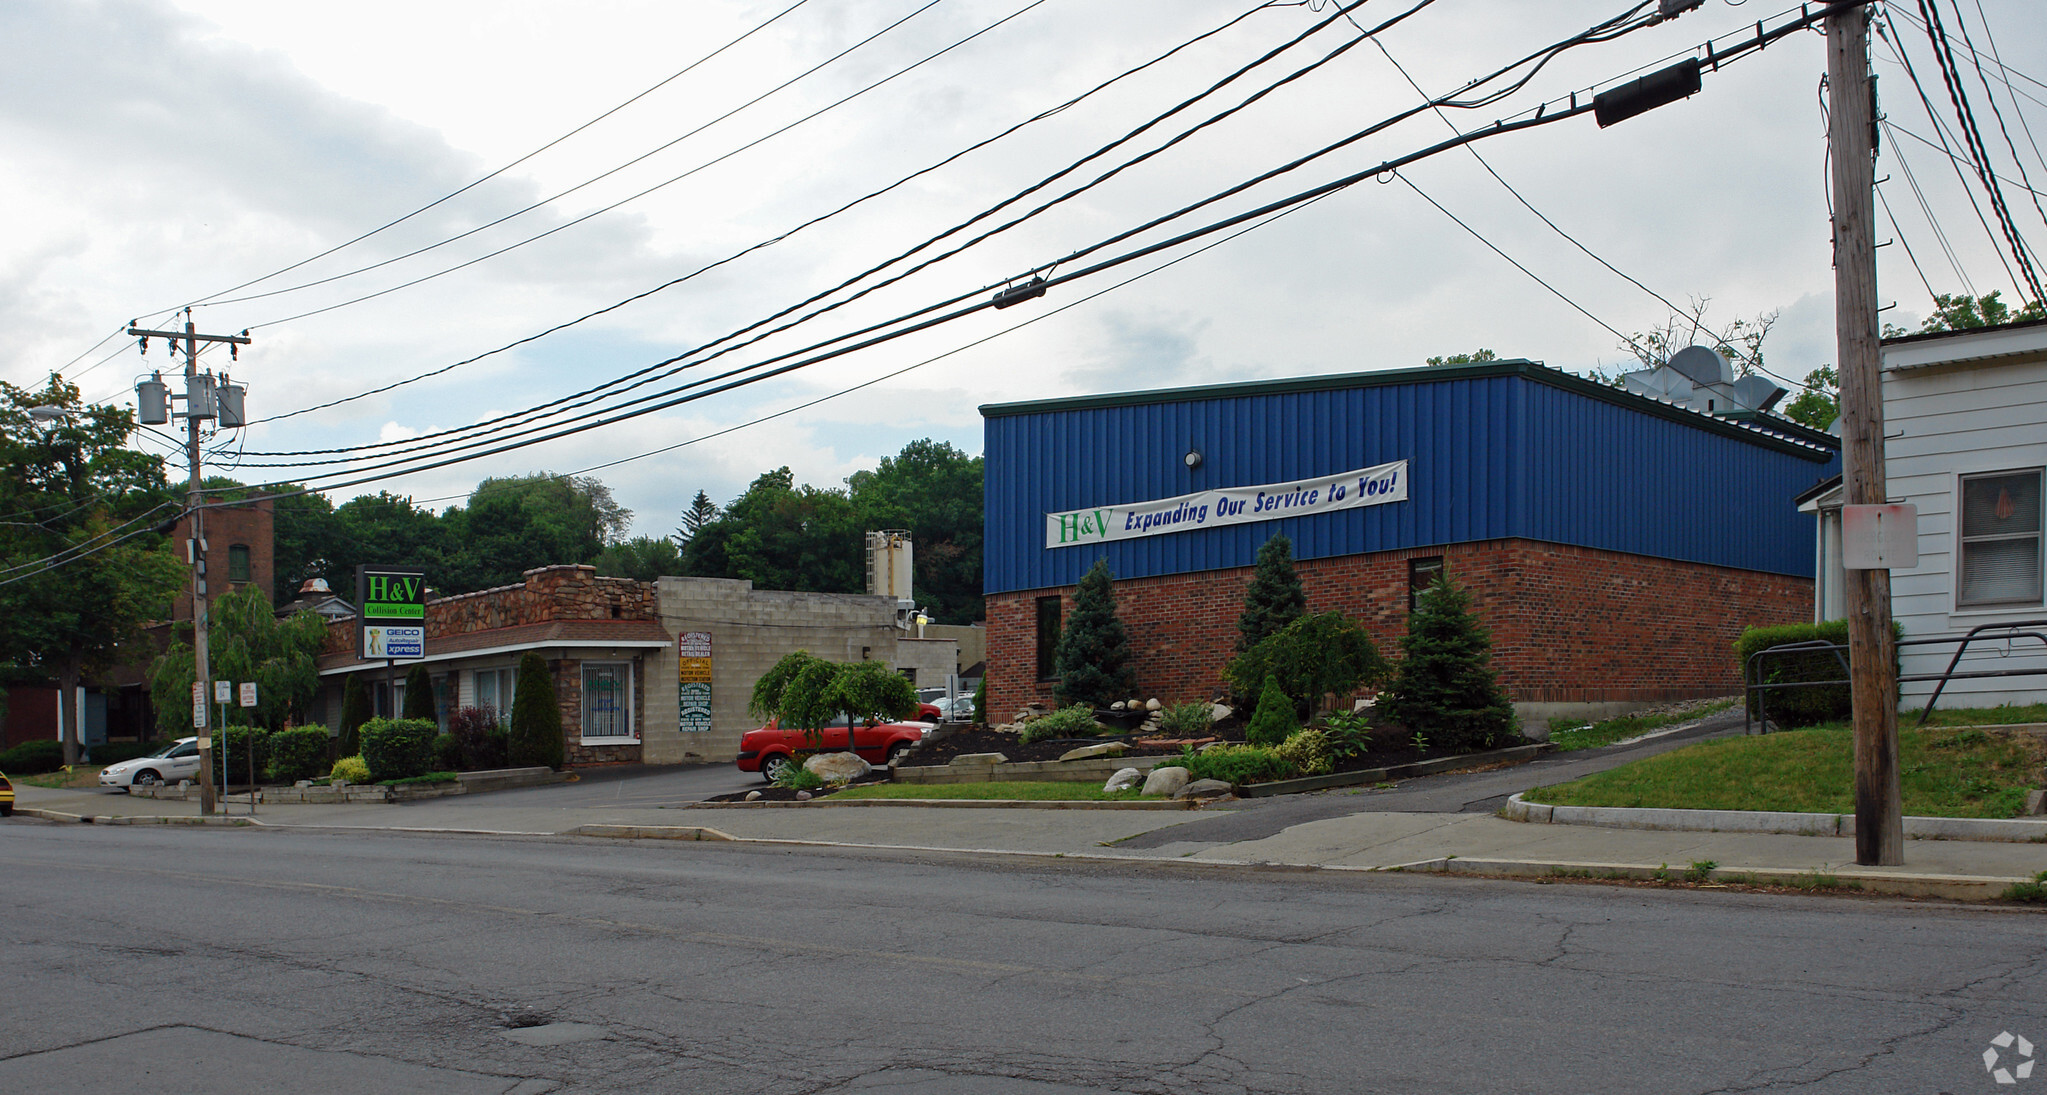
(105,819)
(650,832)
(953,804)
(2012,830)
(1889,883)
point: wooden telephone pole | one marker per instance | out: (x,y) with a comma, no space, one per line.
(200,404)
(1872,644)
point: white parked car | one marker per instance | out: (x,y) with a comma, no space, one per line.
(176,761)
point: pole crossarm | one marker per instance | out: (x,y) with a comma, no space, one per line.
(239,340)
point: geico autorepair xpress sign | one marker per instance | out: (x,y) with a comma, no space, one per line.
(1229,506)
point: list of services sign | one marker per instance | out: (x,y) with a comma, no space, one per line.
(1229,506)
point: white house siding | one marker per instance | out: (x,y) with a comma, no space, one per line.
(1942,422)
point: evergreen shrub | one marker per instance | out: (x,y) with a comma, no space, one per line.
(397,748)
(1274,720)
(1274,598)
(419,695)
(536,735)
(355,710)
(232,746)
(299,753)
(1311,657)
(32,758)
(1093,654)
(1234,764)
(1444,687)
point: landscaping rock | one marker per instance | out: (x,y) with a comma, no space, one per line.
(1153,704)
(1106,749)
(803,796)
(837,767)
(752,796)
(1123,780)
(1219,711)
(1202,788)
(1364,705)
(1119,705)
(2036,802)
(980,758)
(1166,781)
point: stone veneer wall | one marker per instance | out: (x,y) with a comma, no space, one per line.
(750,630)
(547,595)
(1569,624)
(568,691)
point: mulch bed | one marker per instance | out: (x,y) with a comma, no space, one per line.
(771,793)
(1390,746)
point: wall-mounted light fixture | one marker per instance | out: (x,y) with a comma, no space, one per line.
(1193,458)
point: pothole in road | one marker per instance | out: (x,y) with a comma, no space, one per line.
(556,1034)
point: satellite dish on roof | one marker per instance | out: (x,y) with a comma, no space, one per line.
(1703,365)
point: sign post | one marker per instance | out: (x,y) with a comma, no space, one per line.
(248,700)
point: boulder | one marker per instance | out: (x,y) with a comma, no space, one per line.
(1123,780)
(1166,781)
(1105,749)
(837,767)
(752,796)
(1217,712)
(1119,705)
(1133,703)
(980,758)
(803,796)
(1153,704)
(2036,802)
(1205,788)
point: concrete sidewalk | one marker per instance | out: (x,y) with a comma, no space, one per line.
(1468,843)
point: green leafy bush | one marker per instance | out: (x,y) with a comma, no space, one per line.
(447,753)
(1077,721)
(397,748)
(351,769)
(1798,706)
(1348,733)
(1310,657)
(1234,764)
(1187,720)
(536,735)
(1274,720)
(32,758)
(796,777)
(232,748)
(299,753)
(1308,752)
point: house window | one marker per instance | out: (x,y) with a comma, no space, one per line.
(1048,638)
(607,701)
(1420,573)
(494,688)
(238,563)
(2000,540)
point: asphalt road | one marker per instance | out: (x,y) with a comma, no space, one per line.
(202,960)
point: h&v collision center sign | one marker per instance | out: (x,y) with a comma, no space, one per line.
(390,613)
(1229,506)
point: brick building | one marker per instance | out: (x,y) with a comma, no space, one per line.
(1614,544)
(238,550)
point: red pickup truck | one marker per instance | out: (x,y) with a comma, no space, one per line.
(771,749)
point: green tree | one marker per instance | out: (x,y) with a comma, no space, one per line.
(1961,312)
(1315,656)
(515,523)
(1444,687)
(643,558)
(781,536)
(419,695)
(1475,358)
(934,490)
(1820,402)
(536,733)
(246,643)
(355,710)
(1273,720)
(1093,655)
(81,569)
(802,691)
(307,541)
(1274,598)
(700,512)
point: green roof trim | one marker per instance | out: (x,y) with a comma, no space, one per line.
(1783,436)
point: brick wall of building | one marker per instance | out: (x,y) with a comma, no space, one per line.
(249,525)
(1569,624)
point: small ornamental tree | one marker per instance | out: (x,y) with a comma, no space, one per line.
(1093,655)
(419,695)
(1275,598)
(1445,687)
(536,735)
(1312,657)
(804,692)
(1274,719)
(355,710)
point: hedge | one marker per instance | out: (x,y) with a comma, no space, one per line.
(299,753)
(1798,706)
(231,747)
(33,758)
(398,748)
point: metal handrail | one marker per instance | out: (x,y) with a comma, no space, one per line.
(1995,632)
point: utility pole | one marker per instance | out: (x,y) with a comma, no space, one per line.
(1872,644)
(201,403)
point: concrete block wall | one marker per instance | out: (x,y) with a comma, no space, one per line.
(750,630)
(1569,624)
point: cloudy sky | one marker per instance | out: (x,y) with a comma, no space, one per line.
(156,154)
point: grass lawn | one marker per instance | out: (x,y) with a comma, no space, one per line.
(80,775)
(1567,735)
(1950,771)
(1040,791)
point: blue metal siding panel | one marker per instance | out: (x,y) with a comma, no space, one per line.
(1490,457)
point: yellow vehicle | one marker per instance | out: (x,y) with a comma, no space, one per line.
(6,796)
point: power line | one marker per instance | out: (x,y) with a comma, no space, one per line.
(781,236)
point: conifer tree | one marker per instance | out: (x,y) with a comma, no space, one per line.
(419,694)
(536,735)
(1093,655)
(1275,598)
(1445,687)
(1273,722)
(355,710)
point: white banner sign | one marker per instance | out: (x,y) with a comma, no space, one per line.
(1229,506)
